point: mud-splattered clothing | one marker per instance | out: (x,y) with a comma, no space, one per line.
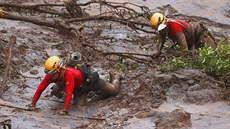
(176,26)
(188,35)
(72,79)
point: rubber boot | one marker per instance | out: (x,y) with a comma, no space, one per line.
(111,88)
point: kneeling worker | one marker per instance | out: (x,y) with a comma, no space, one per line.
(189,35)
(73,79)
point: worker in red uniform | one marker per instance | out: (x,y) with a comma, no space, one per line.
(72,79)
(188,35)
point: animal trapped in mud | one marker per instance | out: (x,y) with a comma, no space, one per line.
(73,81)
(189,36)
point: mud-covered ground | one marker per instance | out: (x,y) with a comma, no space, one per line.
(186,98)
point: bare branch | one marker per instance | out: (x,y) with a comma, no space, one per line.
(125,53)
(7,15)
(6,75)
(36,7)
(126,22)
(11,105)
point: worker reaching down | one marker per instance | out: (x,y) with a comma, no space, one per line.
(72,80)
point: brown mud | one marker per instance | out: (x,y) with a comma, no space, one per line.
(186,98)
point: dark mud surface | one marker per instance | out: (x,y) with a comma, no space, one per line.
(149,98)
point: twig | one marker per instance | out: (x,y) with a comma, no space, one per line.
(125,53)
(123,21)
(27,6)
(140,60)
(76,117)
(10,105)
(20,72)
(93,118)
(6,75)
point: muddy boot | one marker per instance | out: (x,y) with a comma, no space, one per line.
(115,78)
(206,40)
(112,88)
(207,37)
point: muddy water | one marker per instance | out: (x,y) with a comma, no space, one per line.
(207,116)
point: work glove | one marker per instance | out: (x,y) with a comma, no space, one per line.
(31,107)
(63,112)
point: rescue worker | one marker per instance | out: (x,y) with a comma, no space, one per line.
(73,80)
(188,35)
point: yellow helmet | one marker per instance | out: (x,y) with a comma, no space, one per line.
(53,64)
(157,19)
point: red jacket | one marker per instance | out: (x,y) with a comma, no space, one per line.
(72,79)
(176,26)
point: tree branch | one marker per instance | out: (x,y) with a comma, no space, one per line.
(125,53)
(7,15)
(6,75)
(35,7)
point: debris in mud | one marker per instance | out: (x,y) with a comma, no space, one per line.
(5,123)
(34,72)
(121,32)
(176,119)
(7,69)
